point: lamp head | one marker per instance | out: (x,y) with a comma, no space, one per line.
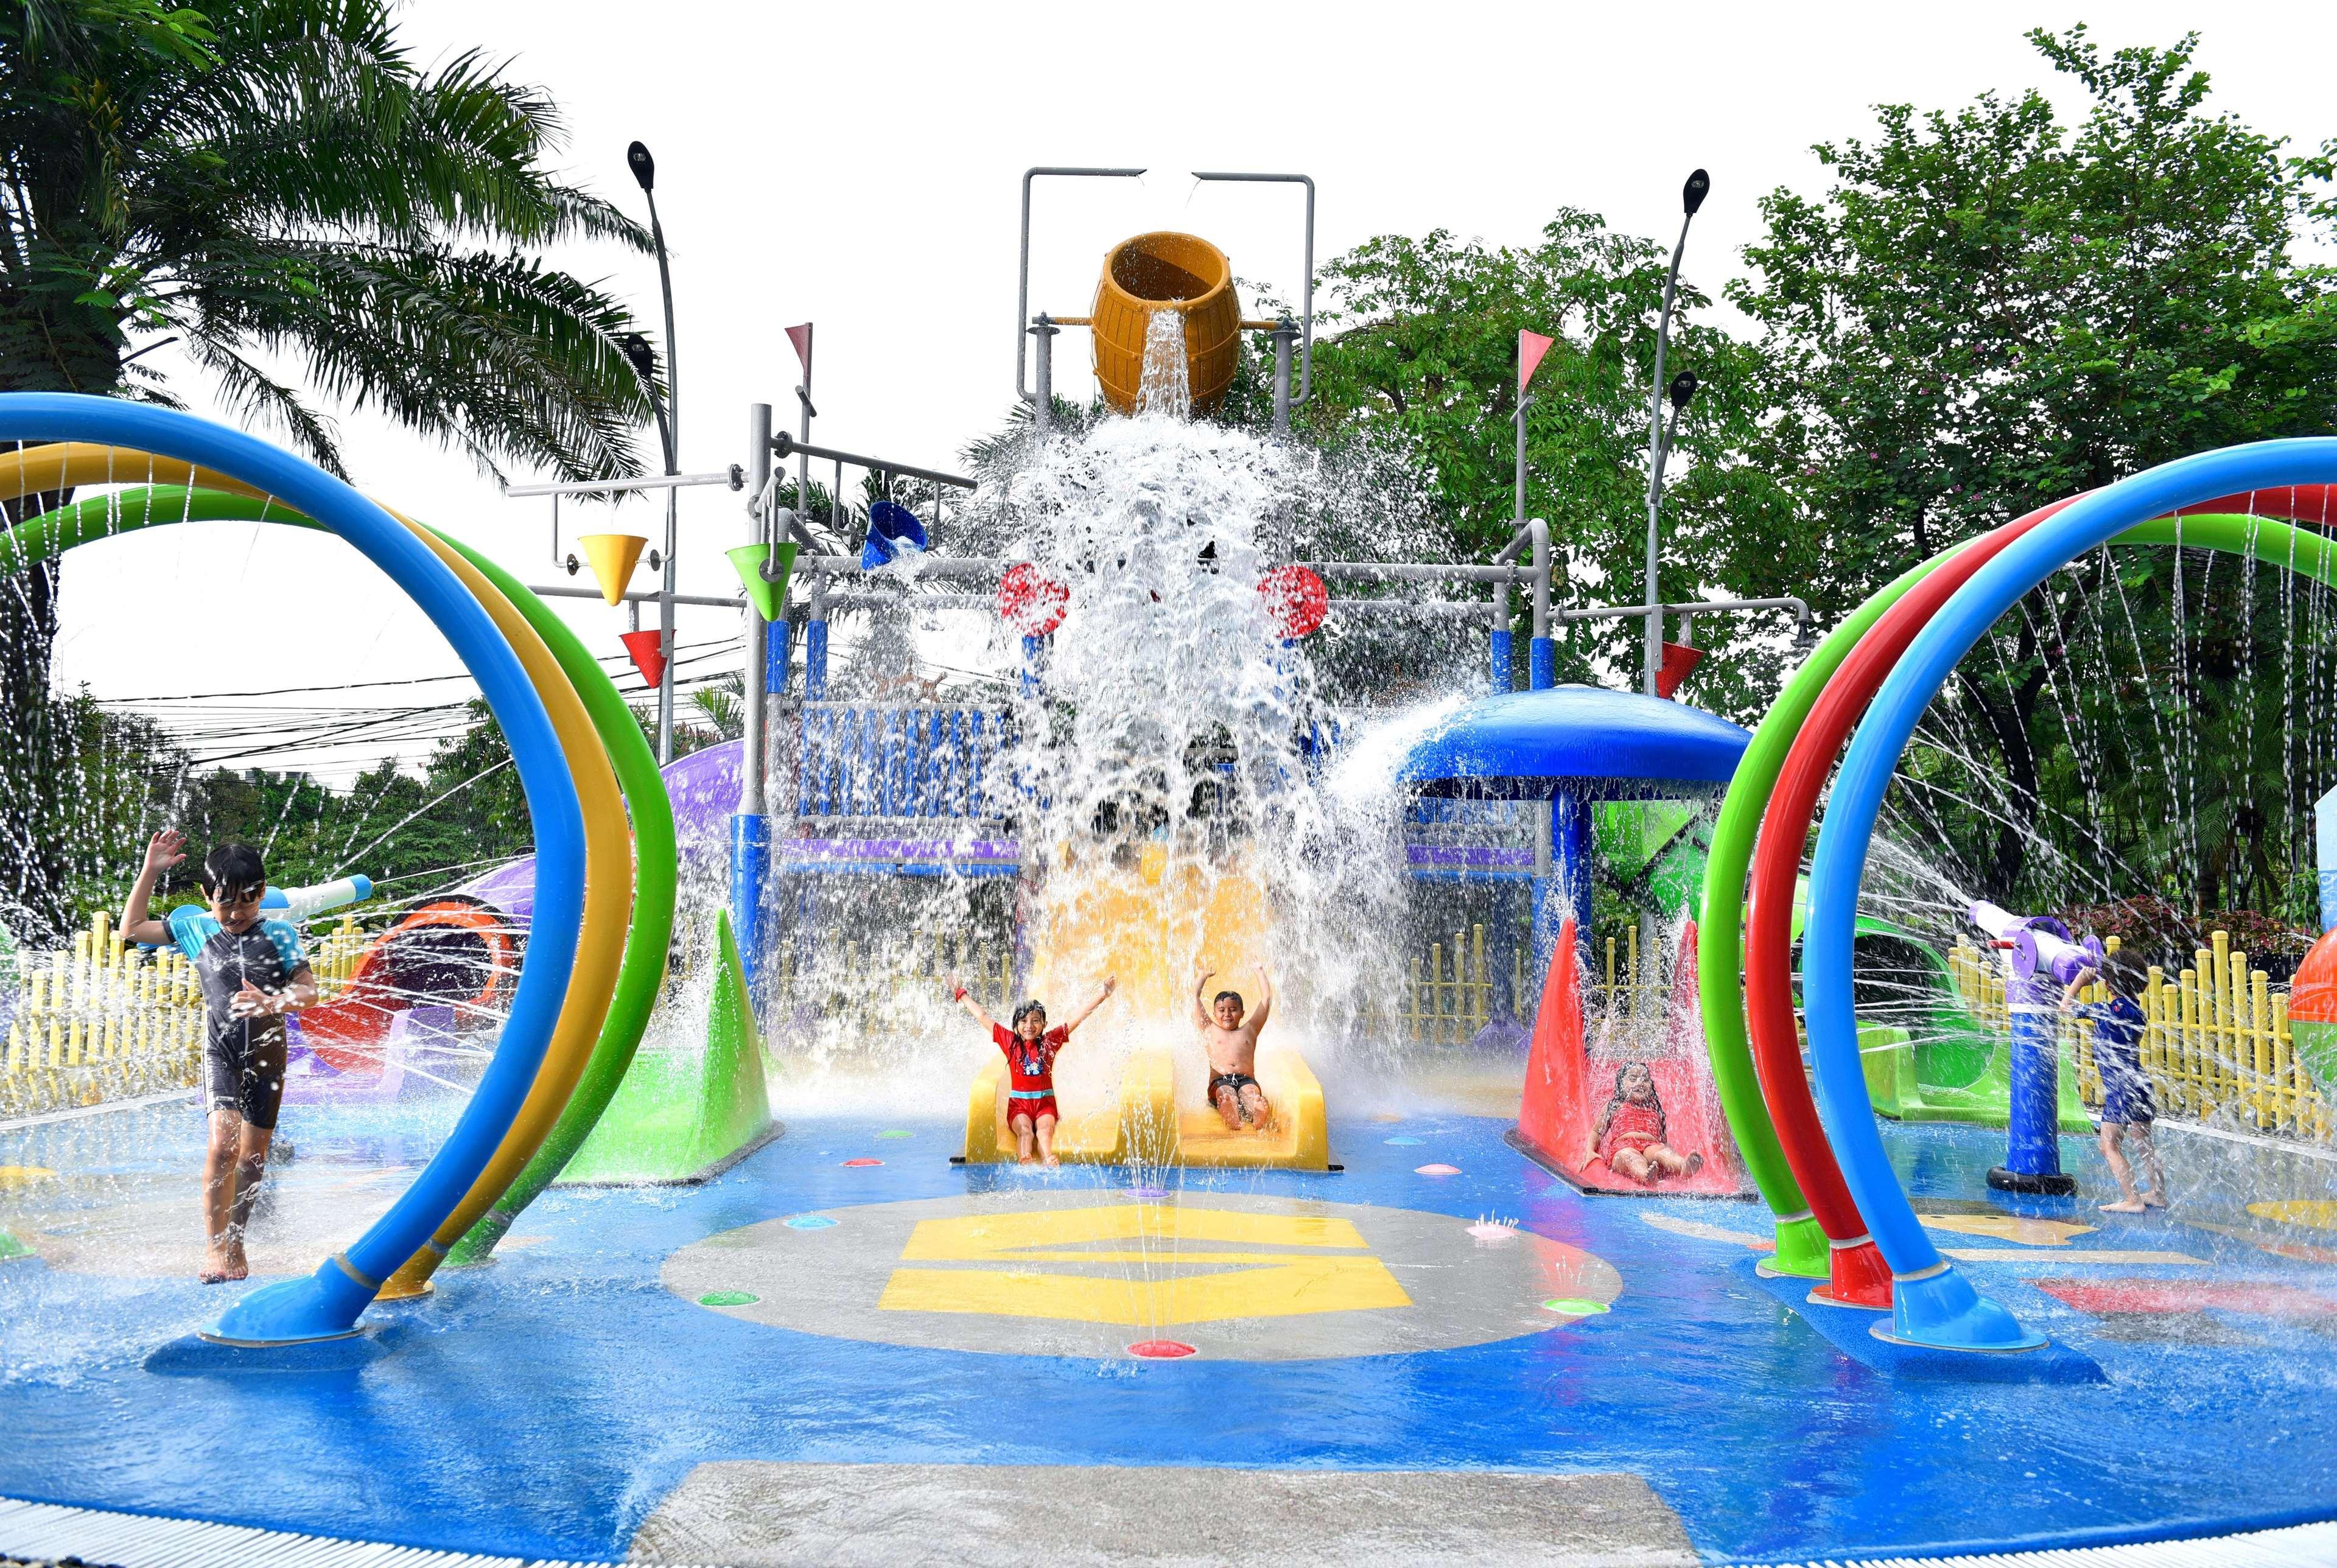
(1683,387)
(644,167)
(1692,194)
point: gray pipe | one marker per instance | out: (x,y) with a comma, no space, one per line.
(1306,302)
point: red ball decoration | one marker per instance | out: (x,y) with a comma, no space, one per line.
(1296,600)
(1030,601)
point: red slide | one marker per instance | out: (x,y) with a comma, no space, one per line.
(452,953)
(1566,1086)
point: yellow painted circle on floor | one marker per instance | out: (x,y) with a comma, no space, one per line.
(2319,1214)
(22,1175)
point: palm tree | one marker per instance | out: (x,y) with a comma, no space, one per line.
(276,183)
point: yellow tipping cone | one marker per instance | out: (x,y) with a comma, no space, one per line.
(612,557)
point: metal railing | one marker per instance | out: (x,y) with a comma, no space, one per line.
(914,760)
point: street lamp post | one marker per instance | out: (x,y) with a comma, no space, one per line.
(1692,195)
(644,168)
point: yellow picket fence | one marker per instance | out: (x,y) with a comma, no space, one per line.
(2216,1042)
(105,1020)
(1451,994)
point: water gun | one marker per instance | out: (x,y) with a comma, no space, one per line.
(301,904)
(2037,943)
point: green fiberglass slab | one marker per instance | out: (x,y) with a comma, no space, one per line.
(683,1115)
(1904,1076)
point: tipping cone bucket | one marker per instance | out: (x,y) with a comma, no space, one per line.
(648,657)
(1680,659)
(767,591)
(612,557)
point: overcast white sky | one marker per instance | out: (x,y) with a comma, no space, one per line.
(859,165)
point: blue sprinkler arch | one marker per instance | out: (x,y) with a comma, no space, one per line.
(1932,1302)
(326,1305)
(1595,741)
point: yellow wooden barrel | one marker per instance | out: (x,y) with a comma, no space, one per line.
(1165,271)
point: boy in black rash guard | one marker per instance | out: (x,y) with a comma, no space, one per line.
(252,972)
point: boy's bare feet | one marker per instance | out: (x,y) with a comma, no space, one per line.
(2151,1199)
(2123,1206)
(1051,1162)
(214,1269)
(1694,1164)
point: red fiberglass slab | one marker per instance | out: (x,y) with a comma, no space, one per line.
(1567,1086)
(2177,1296)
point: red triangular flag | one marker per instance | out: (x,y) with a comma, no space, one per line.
(648,657)
(801,338)
(1531,346)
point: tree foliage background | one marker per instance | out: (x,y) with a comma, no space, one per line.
(1985,308)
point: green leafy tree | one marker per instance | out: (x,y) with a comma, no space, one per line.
(1991,309)
(1422,357)
(277,183)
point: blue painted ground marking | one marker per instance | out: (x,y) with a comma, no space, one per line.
(1744,1419)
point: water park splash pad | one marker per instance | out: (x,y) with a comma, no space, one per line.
(1456,1301)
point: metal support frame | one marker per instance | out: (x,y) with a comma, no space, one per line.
(1307,300)
(731,478)
(1541,653)
(1042,402)
(637,597)
(785,446)
(1023,269)
(750,829)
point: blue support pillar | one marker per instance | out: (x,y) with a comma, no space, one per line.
(1541,663)
(779,648)
(1034,664)
(1561,884)
(1503,645)
(2032,1158)
(816,661)
(750,875)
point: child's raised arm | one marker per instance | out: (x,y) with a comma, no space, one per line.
(163,851)
(1110,984)
(1264,1002)
(964,999)
(1201,973)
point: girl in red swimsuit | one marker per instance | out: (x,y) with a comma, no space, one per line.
(1030,1048)
(1630,1133)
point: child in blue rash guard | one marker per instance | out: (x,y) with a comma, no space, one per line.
(2127,1108)
(252,972)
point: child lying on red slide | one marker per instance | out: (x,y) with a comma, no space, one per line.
(1630,1133)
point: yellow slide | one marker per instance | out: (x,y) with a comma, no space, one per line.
(1138,1121)
(1145,929)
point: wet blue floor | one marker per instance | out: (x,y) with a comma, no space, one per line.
(547,1404)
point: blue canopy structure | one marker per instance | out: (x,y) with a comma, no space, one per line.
(1582,735)
(1573,746)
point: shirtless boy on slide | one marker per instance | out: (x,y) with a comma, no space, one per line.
(1231,1041)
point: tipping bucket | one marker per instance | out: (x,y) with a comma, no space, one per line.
(1165,271)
